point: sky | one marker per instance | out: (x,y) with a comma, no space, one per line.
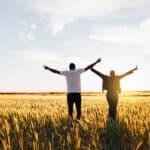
(58,32)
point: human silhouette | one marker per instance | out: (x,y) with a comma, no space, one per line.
(112,85)
(73,86)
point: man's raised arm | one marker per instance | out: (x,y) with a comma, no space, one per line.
(91,65)
(129,72)
(50,69)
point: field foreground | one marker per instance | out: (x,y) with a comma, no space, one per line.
(38,122)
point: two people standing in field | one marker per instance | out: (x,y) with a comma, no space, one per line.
(73,85)
(110,83)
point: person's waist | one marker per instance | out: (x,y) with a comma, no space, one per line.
(73,92)
(112,91)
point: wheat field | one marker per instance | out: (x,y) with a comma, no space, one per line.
(40,122)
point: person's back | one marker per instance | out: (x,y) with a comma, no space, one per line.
(73,80)
(73,85)
(111,83)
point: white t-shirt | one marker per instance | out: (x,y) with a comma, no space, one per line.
(73,80)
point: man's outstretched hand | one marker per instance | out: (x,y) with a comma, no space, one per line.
(136,68)
(45,67)
(98,60)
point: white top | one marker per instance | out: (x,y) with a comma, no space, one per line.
(73,80)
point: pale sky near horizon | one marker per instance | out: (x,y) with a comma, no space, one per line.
(57,32)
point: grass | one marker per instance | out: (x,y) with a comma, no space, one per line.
(36,122)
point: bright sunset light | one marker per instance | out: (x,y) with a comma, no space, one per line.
(74,74)
(55,33)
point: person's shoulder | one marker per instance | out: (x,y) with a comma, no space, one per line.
(106,76)
(118,76)
(64,72)
(80,70)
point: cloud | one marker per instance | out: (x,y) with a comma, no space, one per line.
(137,35)
(84,8)
(37,54)
(27,31)
(63,12)
(27,36)
(58,23)
(28,26)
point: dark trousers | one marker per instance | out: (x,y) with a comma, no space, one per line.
(71,99)
(112,99)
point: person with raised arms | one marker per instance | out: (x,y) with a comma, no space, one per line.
(73,85)
(112,85)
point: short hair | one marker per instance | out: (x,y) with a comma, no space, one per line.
(72,66)
(112,73)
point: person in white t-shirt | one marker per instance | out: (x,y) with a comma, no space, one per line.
(73,85)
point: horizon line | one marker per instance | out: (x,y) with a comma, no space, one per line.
(63,92)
